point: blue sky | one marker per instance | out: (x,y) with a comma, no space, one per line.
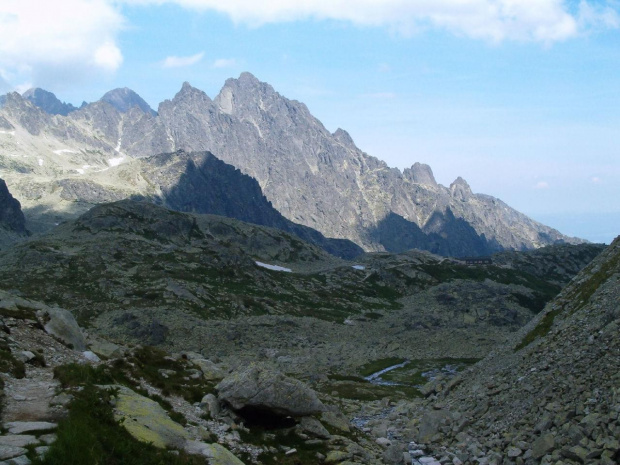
(521,98)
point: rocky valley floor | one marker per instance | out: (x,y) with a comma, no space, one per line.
(195,337)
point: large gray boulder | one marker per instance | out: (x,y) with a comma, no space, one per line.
(268,390)
(61,324)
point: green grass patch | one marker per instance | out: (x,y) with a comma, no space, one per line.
(76,374)
(584,292)
(337,377)
(8,363)
(19,313)
(542,329)
(365,391)
(179,379)
(91,435)
(412,373)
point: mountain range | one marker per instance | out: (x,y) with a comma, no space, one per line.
(59,161)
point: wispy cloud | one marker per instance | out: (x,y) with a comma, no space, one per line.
(180,62)
(596,180)
(495,20)
(225,63)
(541,185)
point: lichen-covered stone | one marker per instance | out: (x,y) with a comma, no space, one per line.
(146,420)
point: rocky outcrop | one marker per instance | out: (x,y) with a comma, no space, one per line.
(125,99)
(48,102)
(266,390)
(146,420)
(61,324)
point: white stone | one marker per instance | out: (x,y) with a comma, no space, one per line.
(91,356)
(18,440)
(18,427)
(8,452)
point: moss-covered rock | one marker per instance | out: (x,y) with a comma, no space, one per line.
(146,420)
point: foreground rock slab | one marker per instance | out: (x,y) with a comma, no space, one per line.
(146,420)
(20,427)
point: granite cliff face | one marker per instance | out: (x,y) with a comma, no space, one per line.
(311,176)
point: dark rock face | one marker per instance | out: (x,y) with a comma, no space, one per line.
(443,234)
(48,102)
(125,99)
(201,183)
(11,216)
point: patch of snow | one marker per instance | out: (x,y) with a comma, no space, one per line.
(358,267)
(80,170)
(274,267)
(40,162)
(116,161)
(8,133)
(61,151)
(118,145)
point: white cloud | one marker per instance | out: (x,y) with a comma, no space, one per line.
(108,57)
(225,63)
(38,37)
(495,20)
(179,62)
(542,185)
(64,39)
(598,16)
(21,88)
(596,180)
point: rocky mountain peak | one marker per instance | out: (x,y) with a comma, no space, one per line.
(249,79)
(421,173)
(48,102)
(189,95)
(21,110)
(124,99)
(245,95)
(344,138)
(460,190)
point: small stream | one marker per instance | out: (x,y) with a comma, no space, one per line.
(375,378)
